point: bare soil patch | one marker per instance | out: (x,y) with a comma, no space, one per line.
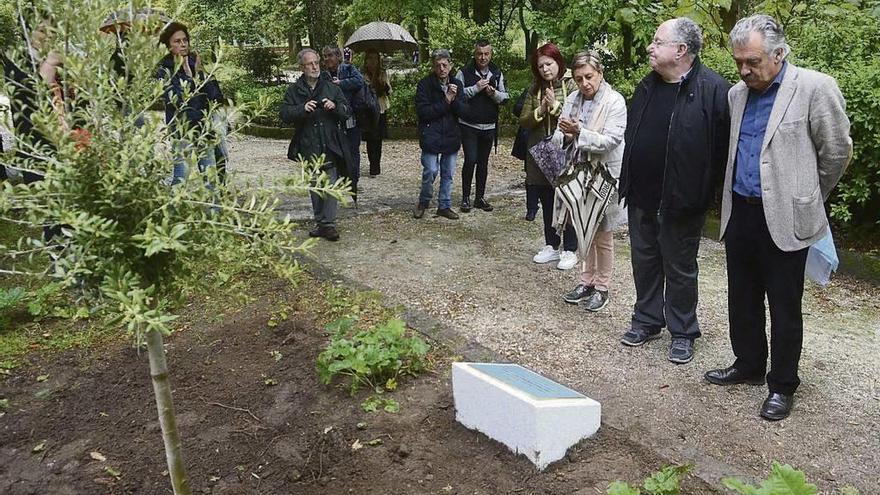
(476,276)
(241,435)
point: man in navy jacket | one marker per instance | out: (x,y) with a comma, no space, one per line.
(349,80)
(438,106)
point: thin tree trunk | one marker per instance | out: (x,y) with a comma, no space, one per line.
(167,420)
(422,33)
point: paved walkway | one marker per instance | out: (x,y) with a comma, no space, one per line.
(476,275)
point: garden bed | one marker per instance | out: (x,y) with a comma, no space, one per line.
(255,423)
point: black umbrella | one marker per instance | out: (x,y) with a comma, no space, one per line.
(385,37)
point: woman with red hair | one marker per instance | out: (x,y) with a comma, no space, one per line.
(539,116)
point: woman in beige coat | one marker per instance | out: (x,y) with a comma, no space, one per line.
(594,118)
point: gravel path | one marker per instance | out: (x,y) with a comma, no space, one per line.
(476,274)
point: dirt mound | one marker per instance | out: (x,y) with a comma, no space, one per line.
(254,423)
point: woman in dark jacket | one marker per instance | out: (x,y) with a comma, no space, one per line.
(540,115)
(377,77)
(182,114)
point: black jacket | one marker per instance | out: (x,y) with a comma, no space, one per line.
(320,131)
(483,109)
(438,120)
(194,109)
(697,145)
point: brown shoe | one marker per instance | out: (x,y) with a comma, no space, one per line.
(330,234)
(447,213)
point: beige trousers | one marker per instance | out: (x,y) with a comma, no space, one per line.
(599,265)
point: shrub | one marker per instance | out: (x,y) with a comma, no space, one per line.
(373,357)
(402,109)
(262,63)
(816,41)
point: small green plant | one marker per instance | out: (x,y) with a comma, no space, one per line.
(41,302)
(9,299)
(783,480)
(374,403)
(372,357)
(667,481)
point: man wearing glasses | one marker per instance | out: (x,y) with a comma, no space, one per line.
(676,147)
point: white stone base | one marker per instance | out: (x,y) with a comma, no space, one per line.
(523,410)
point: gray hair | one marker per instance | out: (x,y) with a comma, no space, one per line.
(768,27)
(333,49)
(439,54)
(302,54)
(587,57)
(688,32)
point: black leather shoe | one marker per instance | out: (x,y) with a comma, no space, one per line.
(777,406)
(732,376)
(315,232)
(483,205)
(447,213)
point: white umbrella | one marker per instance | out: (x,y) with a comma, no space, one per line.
(385,37)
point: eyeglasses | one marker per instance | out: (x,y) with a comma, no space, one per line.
(657,42)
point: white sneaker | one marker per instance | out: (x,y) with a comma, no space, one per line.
(546,255)
(567,260)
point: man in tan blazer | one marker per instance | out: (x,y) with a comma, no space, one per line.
(789,145)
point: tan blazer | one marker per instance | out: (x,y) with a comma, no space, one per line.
(806,149)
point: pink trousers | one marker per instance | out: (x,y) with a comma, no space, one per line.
(599,265)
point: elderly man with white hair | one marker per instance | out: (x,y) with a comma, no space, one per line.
(789,145)
(676,145)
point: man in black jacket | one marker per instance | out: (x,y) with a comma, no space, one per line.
(484,91)
(676,148)
(318,110)
(438,107)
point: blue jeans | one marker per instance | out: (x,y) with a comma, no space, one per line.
(431,165)
(183,148)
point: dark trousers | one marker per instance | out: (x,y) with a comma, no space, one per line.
(532,199)
(374,153)
(374,145)
(664,260)
(551,238)
(755,268)
(477,145)
(354,146)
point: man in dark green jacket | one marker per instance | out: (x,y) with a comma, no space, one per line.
(318,110)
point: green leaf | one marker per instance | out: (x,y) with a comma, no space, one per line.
(39,447)
(666,481)
(621,488)
(783,480)
(391,406)
(371,404)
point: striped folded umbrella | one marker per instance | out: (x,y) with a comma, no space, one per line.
(384,37)
(125,17)
(582,196)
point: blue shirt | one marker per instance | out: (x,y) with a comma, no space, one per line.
(747,181)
